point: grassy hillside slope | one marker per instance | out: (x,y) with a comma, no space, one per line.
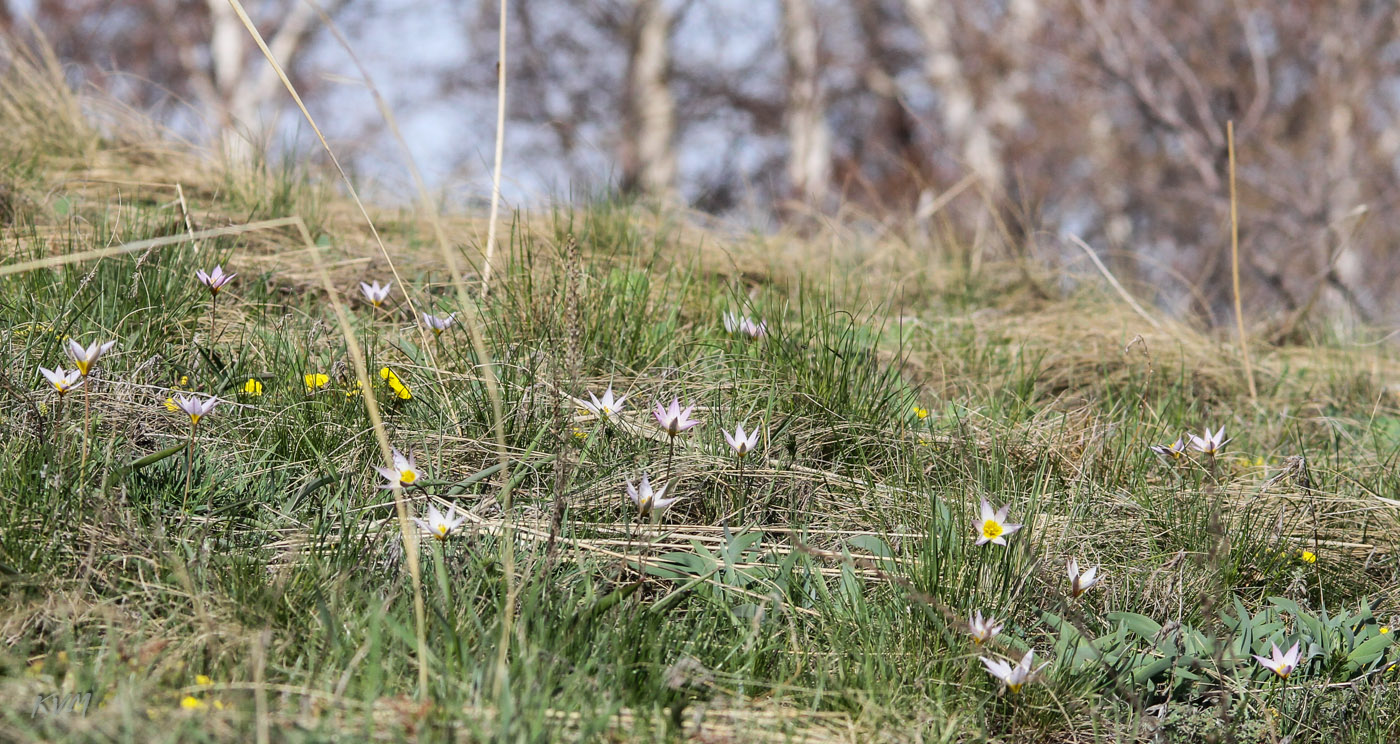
(249,581)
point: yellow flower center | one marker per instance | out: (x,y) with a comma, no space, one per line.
(991,530)
(61,387)
(442,530)
(194,419)
(82,366)
(606,410)
(1016,687)
(407,477)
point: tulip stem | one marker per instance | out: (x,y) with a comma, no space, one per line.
(213,311)
(189,468)
(744,486)
(87,424)
(641,553)
(670,459)
(60,411)
(630,529)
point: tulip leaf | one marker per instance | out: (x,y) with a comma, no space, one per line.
(1370,650)
(660,606)
(851,586)
(747,610)
(1151,669)
(871,544)
(607,602)
(739,544)
(1245,621)
(1286,605)
(1141,625)
(156,457)
(317,485)
(680,565)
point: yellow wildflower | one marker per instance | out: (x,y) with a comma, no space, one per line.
(1384,629)
(922,413)
(1307,556)
(190,702)
(580,434)
(395,384)
(183,384)
(253,387)
(315,381)
(201,679)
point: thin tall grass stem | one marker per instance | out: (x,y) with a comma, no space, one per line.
(500,153)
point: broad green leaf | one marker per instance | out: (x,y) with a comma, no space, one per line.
(1369,651)
(1142,625)
(872,545)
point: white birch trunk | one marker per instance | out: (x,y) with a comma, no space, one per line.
(649,130)
(809,138)
(965,127)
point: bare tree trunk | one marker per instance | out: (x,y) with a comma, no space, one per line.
(967,131)
(809,162)
(649,127)
(228,47)
(241,88)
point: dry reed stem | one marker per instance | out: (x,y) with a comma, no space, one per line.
(500,151)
